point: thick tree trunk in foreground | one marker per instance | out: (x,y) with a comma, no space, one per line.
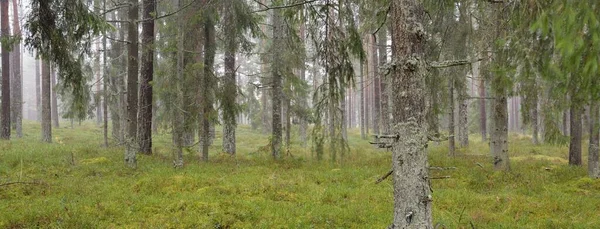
(144,131)
(46,104)
(5,30)
(576,132)
(499,135)
(412,193)
(499,138)
(132,85)
(593,162)
(277,93)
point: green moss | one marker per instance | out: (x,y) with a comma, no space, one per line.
(82,185)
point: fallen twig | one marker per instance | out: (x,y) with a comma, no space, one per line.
(442,177)
(442,168)
(384,177)
(22,182)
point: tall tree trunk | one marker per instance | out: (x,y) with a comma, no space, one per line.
(144,131)
(5,30)
(277,93)
(207,86)
(303,100)
(132,84)
(463,114)
(593,162)
(38,102)
(384,112)
(229,84)
(412,192)
(55,117)
(534,120)
(363,133)
(376,87)
(46,103)
(451,118)
(17,84)
(105,83)
(229,100)
(499,135)
(482,110)
(177,111)
(575,143)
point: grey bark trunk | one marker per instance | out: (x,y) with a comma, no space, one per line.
(575,143)
(105,83)
(412,192)
(363,133)
(177,111)
(46,104)
(132,85)
(38,102)
(55,116)
(376,87)
(382,53)
(451,118)
(534,121)
(207,87)
(17,84)
(593,162)
(499,138)
(303,100)
(230,85)
(230,96)
(276,90)
(463,116)
(499,135)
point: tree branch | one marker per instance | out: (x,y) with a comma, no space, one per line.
(267,8)
(452,63)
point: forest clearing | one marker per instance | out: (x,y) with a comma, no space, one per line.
(81,185)
(398,114)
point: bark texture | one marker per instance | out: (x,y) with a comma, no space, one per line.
(576,132)
(207,87)
(17,84)
(132,85)
(412,193)
(277,90)
(46,104)
(229,85)
(5,30)
(54,98)
(451,120)
(144,132)
(593,162)
(499,135)
(38,102)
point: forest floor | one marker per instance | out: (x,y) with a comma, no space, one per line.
(75,183)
